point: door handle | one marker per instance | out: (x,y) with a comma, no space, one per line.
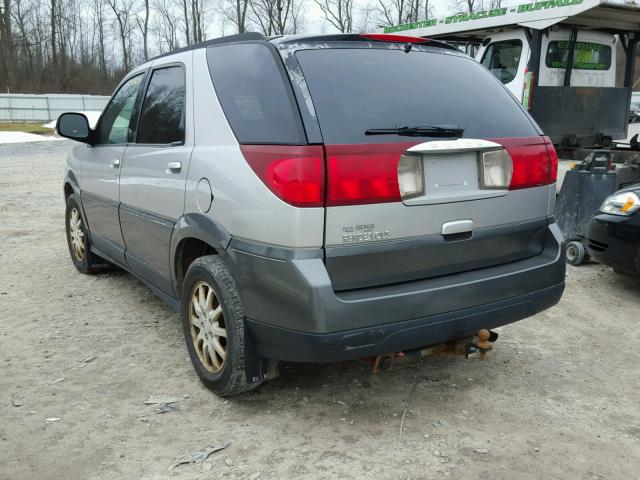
(174,167)
(115,163)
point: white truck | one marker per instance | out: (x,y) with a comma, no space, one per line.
(558,57)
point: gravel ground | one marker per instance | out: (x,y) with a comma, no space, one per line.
(557,399)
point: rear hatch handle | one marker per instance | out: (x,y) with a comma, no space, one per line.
(457,226)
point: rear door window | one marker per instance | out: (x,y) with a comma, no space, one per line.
(162,116)
(255,94)
(355,89)
(586,56)
(502,59)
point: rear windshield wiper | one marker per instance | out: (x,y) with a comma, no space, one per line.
(426,131)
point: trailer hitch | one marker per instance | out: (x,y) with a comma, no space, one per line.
(480,344)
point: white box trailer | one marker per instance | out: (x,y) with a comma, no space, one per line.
(558,57)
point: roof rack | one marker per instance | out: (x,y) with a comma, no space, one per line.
(240,37)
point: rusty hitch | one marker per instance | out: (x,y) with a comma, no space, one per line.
(480,344)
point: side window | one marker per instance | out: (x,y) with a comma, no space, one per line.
(586,55)
(502,59)
(114,123)
(162,115)
(255,94)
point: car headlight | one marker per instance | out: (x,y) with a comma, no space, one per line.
(621,204)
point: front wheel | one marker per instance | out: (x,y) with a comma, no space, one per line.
(213,326)
(79,242)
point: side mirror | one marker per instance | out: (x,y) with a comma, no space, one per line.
(74,126)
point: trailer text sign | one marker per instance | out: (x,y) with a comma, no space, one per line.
(484,14)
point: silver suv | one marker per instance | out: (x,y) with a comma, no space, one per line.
(317,198)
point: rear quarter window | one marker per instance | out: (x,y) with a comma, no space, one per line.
(355,89)
(255,94)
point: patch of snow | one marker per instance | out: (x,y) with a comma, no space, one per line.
(23,137)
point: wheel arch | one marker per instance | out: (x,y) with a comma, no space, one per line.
(194,236)
(70,185)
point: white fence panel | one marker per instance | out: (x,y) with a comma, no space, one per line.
(25,107)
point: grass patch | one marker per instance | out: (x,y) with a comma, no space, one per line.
(28,127)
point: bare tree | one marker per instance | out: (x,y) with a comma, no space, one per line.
(197,19)
(338,13)
(467,6)
(53,23)
(276,17)
(6,45)
(143,25)
(236,12)
(365,19)
(395,12)
(166,26)
(122,12)
(241,15)
(390,12)
(99,18)
(185,11)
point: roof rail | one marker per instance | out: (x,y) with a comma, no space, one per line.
(240,37)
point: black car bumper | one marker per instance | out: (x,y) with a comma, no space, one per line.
(614,240)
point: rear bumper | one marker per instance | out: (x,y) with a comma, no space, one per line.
(293,314)
(614,240)
(289,345)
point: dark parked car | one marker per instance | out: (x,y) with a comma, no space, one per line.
(614,231)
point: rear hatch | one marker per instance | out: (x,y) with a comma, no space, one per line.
(464,186)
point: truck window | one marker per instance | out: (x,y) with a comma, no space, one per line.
(587,55)
(502,59)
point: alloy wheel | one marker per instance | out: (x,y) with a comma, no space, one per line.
(208,330)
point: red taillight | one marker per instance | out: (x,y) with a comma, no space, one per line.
(383,37)
(294,174)
(535,162)
(358,174)
(368,173)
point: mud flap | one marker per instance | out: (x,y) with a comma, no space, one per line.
(258,369)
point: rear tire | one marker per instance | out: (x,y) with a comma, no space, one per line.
(575,252)
(213,325)
(79,242)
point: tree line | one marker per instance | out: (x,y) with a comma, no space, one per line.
(86,46)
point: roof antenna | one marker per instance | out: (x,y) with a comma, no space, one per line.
(408,47)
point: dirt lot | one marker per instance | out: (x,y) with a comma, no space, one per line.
(558,399)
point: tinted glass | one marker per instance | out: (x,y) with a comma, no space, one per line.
(114,123)
(162,115)
(502,59)
(357,89)
(586,56)
(255,94)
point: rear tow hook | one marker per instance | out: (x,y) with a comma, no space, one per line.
(481,343)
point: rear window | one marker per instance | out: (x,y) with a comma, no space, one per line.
(358,89)
(586,56)
(255,94)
